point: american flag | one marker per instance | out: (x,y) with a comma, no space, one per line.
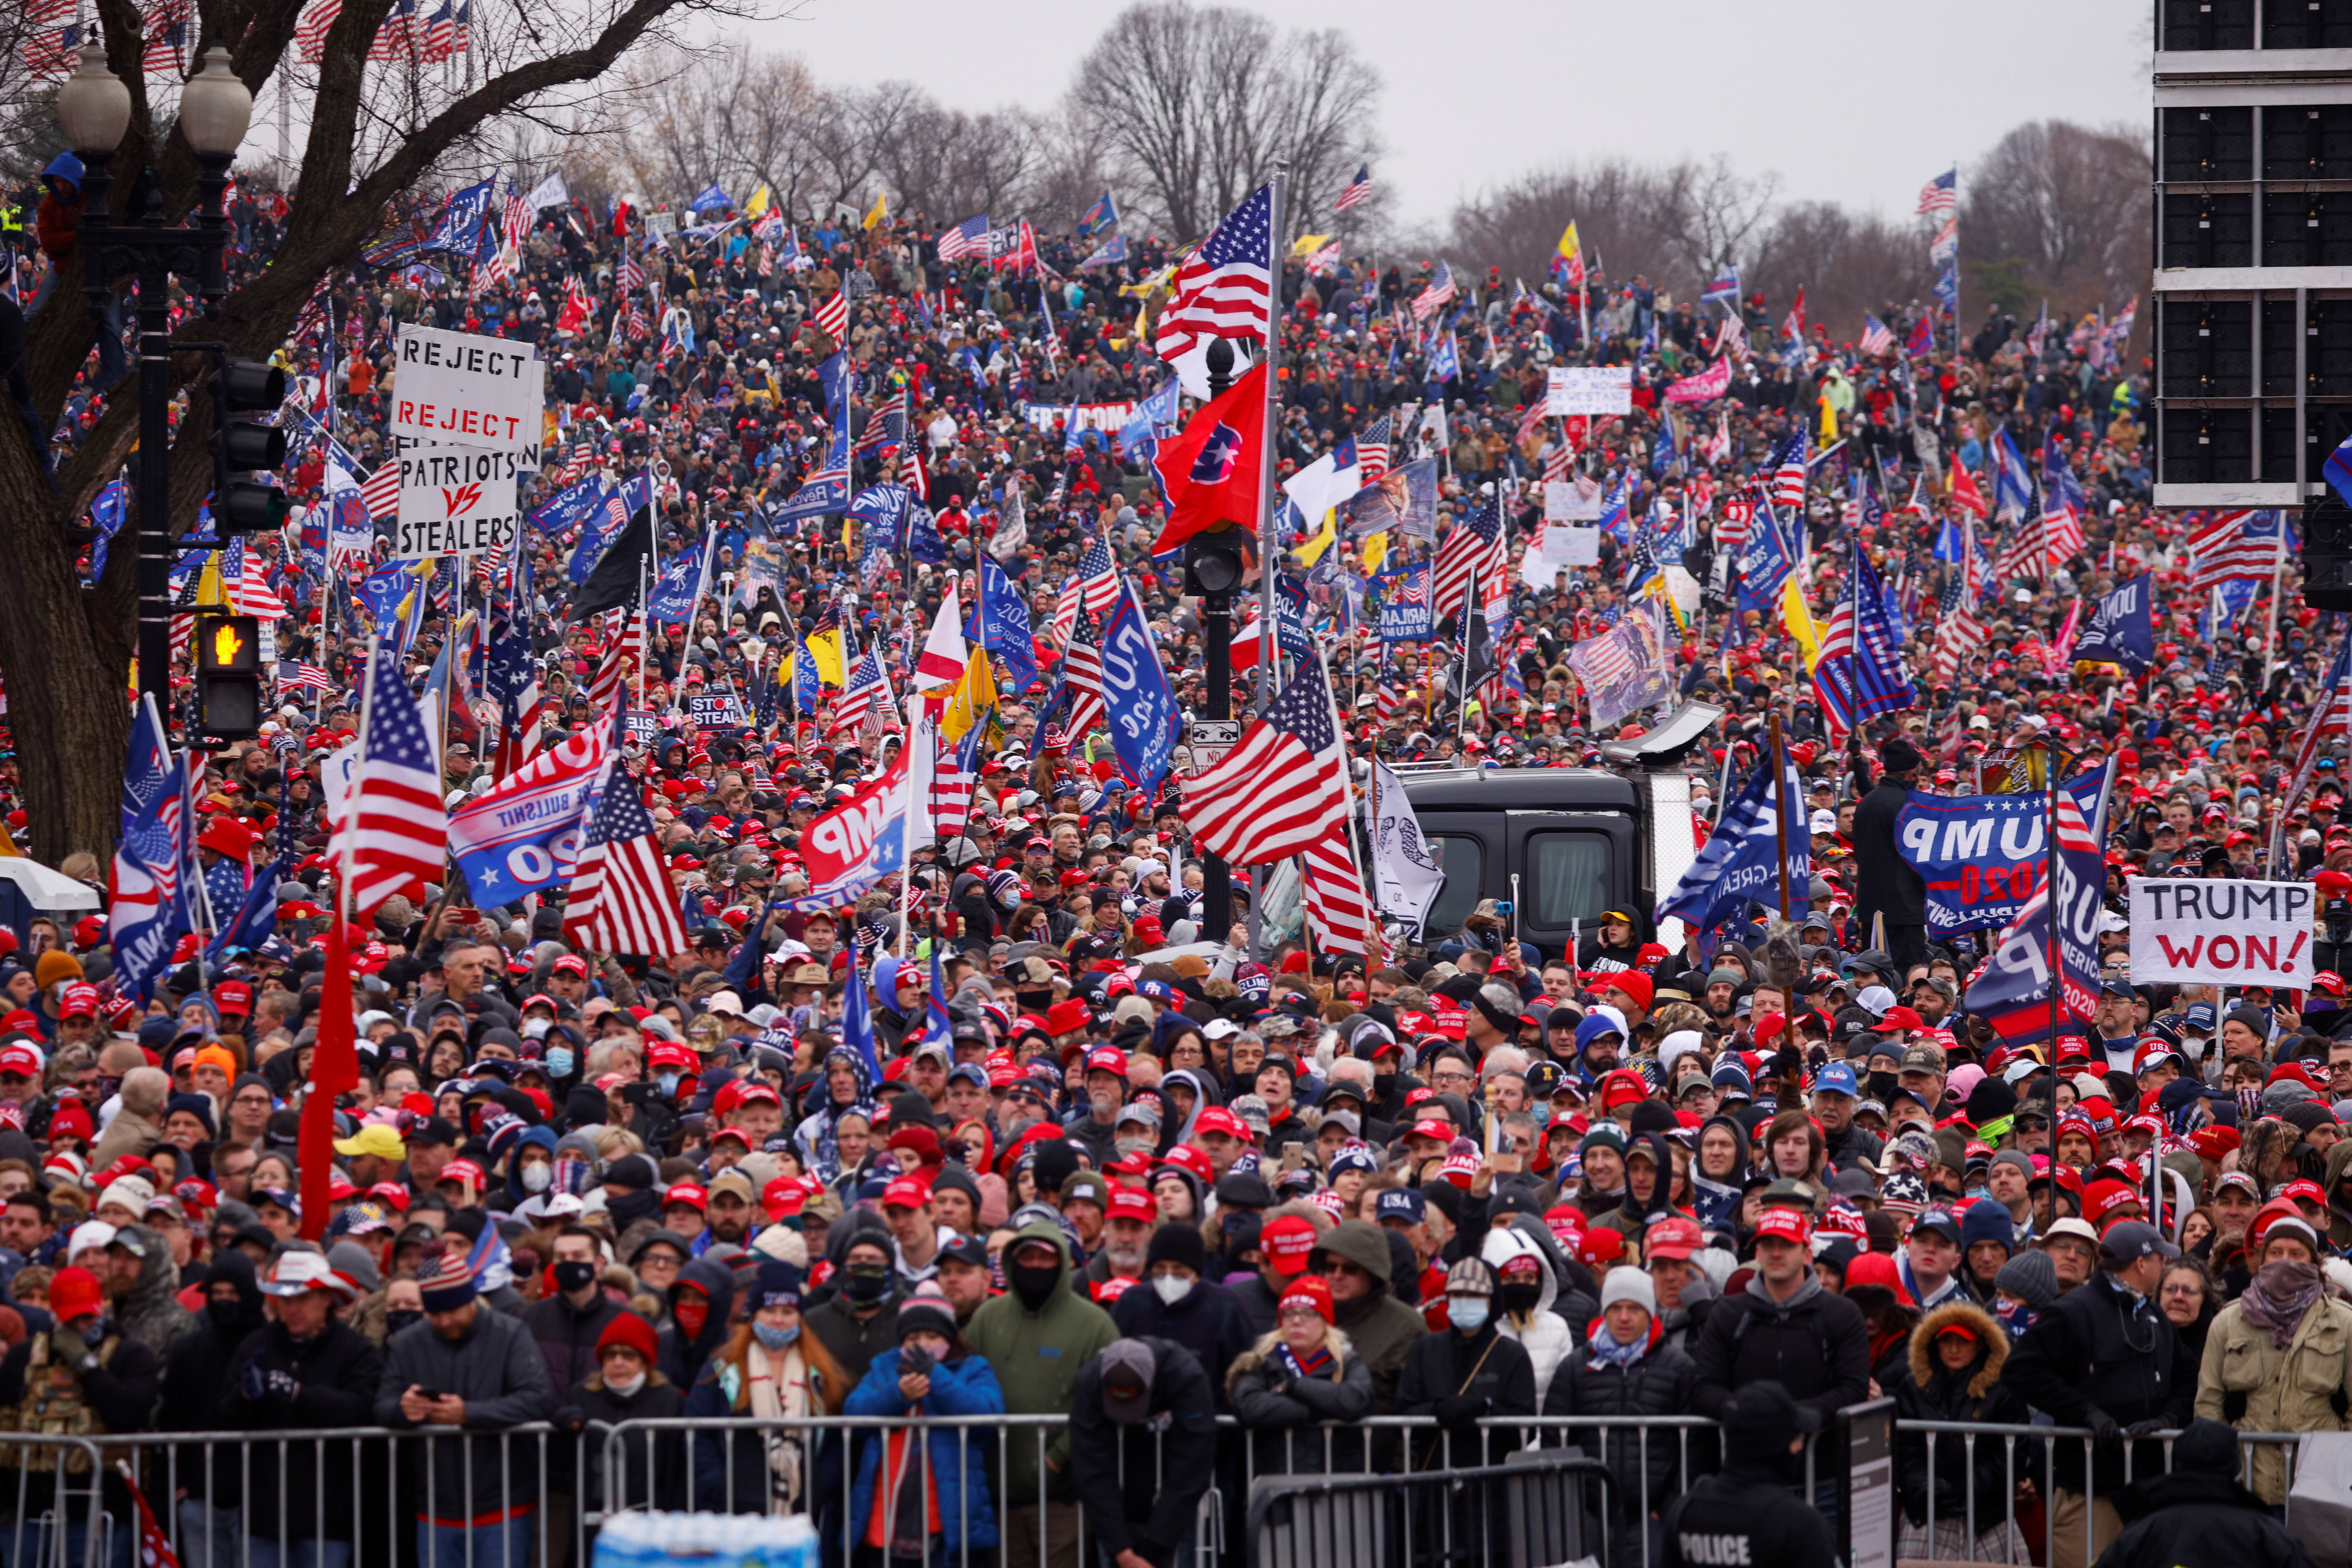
(1531,420)
(866,698)
(621,653)
(1875,338)
(1283,788)
(244,576)
(382,491)
(293,675)
(1082,674)
(1475,544)
(1225,288)
(887,426)
(620,900)
(463,39)
(833,316)
(513,684)
(1098,580)
(1439,290)
(633,272)
(1789,474)
(51,51)
(398,830)
(767,259)
(911,471)
(440,34)
(1358,189)
(2233,545)
(967,238)
(1066,609)
(397,37)
(164,27)
(1332,890)
(1560,462)
(1958,633)
(1940,193)
(1731,532)
(952,776)
(310,32)
(1372,450)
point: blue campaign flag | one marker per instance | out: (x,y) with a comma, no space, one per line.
(2012,992)
(603,525)
(1144,721)
(460,231)
(808,687)
(525,836)
(1614,522)
(637,492)
(1948,287)
(561,513)
(1108,253)
(255,920)
(857,1020)
(1291,615)
(1741,862)
(882,513)
(1981,856)
(834,376)
(1101,217)
(672,598)
(2338,469)
(385,592)
(1154,417)
(2013,486)
(2227,603)
(106,515)
(1000,623)
(1444,360)
(1951,542)
(1663,457)
(1725,288)
(1407,607)
(710,196)
(149,760)
(923,540)
(149,912)
(2122,630)
(1765,564)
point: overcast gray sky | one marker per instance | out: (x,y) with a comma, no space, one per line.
(1855,101)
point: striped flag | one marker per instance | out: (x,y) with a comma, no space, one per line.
(2233,545)
(1789,474)
(293,675)
(1098,581)
(382,491)
(620,898)
(1435,294)
(398,832)
(1358,189)
(833,316)
(1224,289)
(1332,891)
(866,698)
(1473,546)
(1082,678)
(1958,633)
(164,28)
(967,238)
(1372,450)
(1283,786)
(1940,194)
(1875,338)
(440,34)
(396,38)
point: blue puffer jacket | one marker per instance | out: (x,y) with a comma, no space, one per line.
(967,1387)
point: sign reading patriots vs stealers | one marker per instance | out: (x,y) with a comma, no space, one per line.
(454,501)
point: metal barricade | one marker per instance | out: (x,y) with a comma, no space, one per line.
(53,1512)
(1527,1511)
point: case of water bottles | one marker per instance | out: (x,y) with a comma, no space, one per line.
(715,1540)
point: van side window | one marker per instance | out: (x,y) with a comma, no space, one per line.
(1569,877)
(1462,859)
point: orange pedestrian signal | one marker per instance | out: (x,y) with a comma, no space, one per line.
(228,676)
(229,643)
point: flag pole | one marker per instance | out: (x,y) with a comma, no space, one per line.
(1269,633)
(2270,624)
(1781,805)
(2057,974)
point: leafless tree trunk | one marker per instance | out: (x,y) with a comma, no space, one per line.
(376,130)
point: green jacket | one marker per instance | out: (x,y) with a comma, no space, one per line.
(1036,1356)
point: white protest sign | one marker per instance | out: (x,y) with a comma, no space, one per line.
(2220,933)
(1590,389)
(454,501)
(1572,500)
(466,390)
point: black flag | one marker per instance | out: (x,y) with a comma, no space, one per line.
(617,580)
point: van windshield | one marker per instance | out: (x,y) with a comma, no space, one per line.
(1461,858)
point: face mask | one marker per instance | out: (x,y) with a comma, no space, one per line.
(865,1284)
(1468,1313)
(2015,1320)
(1882,1087)
(1520,1297)
(226,1315)
(691,1312)
(397,1319)
(1134,1146)
(630,1207)
(535,1028)
(574,1275)
(773,1337)
(625,1386)
(1383,1085)
(1034,1283)
(538,1178)
(559,1062)
(1172,1287)
(668,1082)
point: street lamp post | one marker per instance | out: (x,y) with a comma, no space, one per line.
(94,110)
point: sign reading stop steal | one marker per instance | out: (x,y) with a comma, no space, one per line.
(463,389)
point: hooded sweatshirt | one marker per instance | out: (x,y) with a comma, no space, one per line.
(1383,1329)
(680,1357)
(1544,1332)
(1037,1352)
(1719,1199)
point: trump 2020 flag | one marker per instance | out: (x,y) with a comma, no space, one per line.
(2012,991)
(1000,623)
(2123,631)
(1740,864)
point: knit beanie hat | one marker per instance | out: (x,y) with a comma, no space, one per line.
(2030,1276)
(1626,1283)
(1177,1243)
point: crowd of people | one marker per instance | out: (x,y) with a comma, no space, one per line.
(1206,1207)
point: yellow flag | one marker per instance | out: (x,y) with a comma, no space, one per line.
(1800,621)
(972,697)
(1324,537)
(1829,421)
(824,652)
(1568,246)
(758,203)
(210,591)
(1308,244)
(879,213)
(1376,550)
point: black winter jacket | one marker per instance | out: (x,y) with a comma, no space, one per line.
(336,1377)
(1817,1346)
(1661,1383)
(1285,1415)
(1140,1487)
(2098,1348)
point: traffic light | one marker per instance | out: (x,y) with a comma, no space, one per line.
(242,390)
(1215,562)
(228,676)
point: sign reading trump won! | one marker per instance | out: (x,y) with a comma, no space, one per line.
(2222,932)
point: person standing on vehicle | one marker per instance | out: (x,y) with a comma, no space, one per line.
(1889,885)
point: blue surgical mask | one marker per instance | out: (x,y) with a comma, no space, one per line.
(668,1082)
(773,1337)
(559,1061)
(1466,1312)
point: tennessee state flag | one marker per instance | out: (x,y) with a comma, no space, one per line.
(1211,471)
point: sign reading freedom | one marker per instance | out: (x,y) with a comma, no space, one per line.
(2219,933)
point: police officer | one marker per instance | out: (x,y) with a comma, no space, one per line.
(1748,1513)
